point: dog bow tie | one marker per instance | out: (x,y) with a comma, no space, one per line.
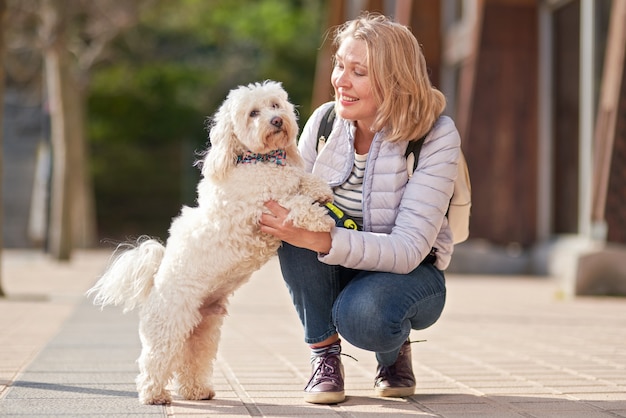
(277,156)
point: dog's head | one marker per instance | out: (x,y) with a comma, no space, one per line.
(258,118)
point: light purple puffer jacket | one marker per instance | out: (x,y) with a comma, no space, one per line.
(402,219)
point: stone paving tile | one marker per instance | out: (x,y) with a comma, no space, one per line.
(224,407)
(505,347)
(496,414)
(42,390)
(81,407)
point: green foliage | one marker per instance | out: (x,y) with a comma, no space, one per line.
(148,104)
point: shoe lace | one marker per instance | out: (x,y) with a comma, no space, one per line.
(326,368)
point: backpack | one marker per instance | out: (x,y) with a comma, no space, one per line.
(458,213)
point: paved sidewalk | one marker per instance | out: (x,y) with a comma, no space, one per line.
(505,347)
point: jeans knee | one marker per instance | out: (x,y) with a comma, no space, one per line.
(430,311)
(368,328)
(372,322)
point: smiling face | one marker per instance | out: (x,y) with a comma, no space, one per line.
(351,81)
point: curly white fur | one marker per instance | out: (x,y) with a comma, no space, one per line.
(212,249)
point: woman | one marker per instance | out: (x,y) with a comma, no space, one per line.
(373,286)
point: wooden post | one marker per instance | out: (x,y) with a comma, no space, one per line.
(606,118)
(322,91)
(403,11)
(2,12)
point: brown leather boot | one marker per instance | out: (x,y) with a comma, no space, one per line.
(397,380)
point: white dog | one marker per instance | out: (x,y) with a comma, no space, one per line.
(212,249)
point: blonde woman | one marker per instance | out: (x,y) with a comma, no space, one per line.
(374,285)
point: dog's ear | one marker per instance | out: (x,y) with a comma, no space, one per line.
(222,155)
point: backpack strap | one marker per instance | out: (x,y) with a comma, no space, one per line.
(412,154)
(326,126)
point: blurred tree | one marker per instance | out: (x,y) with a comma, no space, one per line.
(149,102)
(57,81)
(135,81)
(71,36)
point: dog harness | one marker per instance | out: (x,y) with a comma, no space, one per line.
(279,157)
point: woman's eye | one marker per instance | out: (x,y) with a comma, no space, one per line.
(254,113)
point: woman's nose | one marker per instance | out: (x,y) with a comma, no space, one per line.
(340,79)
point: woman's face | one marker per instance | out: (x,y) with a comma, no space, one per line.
(352,84)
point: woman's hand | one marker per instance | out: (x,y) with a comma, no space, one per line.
(275,223)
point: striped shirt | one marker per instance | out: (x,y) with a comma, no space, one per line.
(349,195)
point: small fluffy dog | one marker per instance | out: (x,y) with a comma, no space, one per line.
(212,249)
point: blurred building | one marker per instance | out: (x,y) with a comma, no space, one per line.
(23,189)
(524,79)
(537,90)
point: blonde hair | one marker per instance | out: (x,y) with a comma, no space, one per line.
(408,104)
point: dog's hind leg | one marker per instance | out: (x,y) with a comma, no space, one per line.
(196,369)
(163,332)
(150,386)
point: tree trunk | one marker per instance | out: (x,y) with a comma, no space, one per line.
(83,205)
(2,10)
(57,78)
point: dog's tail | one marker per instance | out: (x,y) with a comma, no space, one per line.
(129,278)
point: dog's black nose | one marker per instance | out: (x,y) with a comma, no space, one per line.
(277,121)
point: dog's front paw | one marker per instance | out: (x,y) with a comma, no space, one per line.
(324,195)
(317,189)
(313,217)
(322,199)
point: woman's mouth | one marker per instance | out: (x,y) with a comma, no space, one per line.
(348,99)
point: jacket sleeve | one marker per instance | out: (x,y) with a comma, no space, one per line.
(401,234)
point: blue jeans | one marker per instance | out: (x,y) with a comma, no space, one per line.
(374,311)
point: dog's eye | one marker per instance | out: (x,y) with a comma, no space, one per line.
(254,113)
(275,105)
